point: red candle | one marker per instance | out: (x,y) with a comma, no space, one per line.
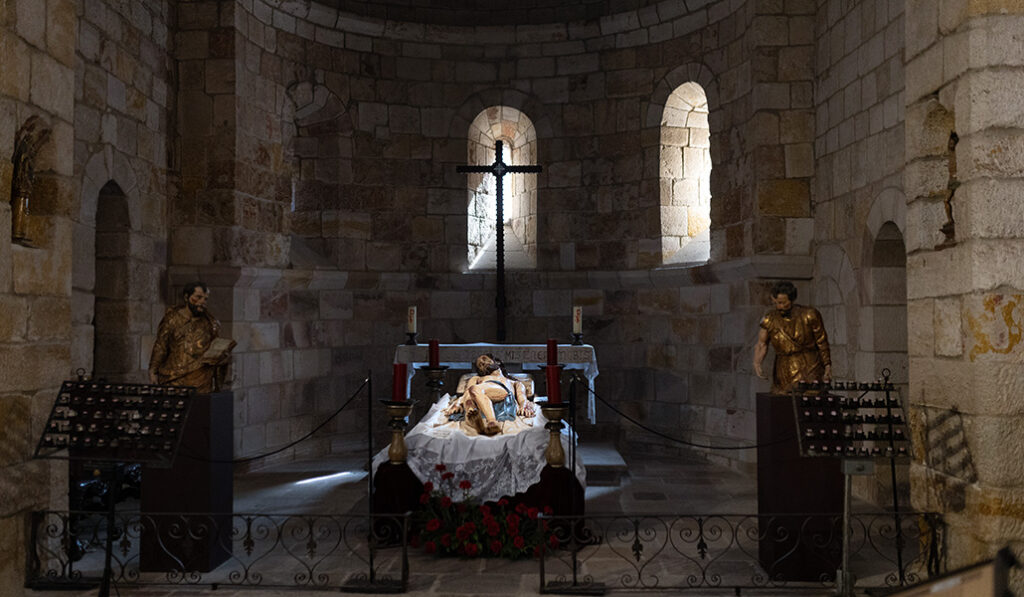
(398,382)
(554,387)
(435,354)
(552,351)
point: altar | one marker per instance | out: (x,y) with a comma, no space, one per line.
(530,356)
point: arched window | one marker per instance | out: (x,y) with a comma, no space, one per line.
(685,173)
(519,146)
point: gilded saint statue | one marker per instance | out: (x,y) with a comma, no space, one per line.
(187,351)
(27,142)
(798,337)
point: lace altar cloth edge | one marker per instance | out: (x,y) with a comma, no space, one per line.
(497,466)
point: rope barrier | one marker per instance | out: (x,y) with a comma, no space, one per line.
(685,442)
(286,446)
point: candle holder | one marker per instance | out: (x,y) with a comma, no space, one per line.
(411,341)
(435,380)
(397,411)
(554,454)
(577,339)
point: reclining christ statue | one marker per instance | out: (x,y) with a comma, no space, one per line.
(490,433)
(493,403)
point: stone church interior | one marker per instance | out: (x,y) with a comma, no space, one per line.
(334,207)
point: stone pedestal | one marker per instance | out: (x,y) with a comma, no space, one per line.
(790,487)
(187,509)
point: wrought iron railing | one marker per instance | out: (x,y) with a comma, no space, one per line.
(330,552)
(655,552)
(678,553)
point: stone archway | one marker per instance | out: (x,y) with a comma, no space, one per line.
(107,209)
(116,351)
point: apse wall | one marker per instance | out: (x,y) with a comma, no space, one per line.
(388,228)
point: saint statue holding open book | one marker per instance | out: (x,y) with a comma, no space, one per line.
(187,351)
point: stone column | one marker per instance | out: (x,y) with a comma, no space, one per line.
(964,73)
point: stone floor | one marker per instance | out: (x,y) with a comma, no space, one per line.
(338,485)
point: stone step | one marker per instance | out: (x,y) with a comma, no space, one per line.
(605,466)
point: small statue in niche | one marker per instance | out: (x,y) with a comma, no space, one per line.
(27,142)
(949,228)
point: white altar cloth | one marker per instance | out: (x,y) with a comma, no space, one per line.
(530,356)
(497,466)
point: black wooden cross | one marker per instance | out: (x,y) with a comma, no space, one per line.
(499,169)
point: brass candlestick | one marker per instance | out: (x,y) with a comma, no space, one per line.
(397,411)
(435,380)
(554,413)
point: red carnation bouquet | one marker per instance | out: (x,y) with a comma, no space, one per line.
(452,522)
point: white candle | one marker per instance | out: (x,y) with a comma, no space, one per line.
(410,323)
(577,320)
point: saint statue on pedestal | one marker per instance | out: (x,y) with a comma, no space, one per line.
(797,335)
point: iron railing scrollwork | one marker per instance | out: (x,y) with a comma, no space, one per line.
(336,552)
(721,551)
(649,552)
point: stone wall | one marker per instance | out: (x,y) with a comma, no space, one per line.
(383,200)
(326,143)
(37,50)
(124,102)
(858,157)
(964,291)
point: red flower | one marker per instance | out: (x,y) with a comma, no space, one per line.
(485,510)
(447,476)
(532,513)
(428,487)
(415,541)
(440,468)
(430,547)
(446,540)
(493,528)
(465,484)
(424,498)
(519,542)
(503,502)
(446,501)
(548,510)
(553,541)
(433,524)
(472,549)
(496,546)
(512,520)
(464,531)
(521,508)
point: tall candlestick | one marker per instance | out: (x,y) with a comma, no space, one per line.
(434,352)
(577,320)
(410,320)
(552,351)
(398,381)
(554,384)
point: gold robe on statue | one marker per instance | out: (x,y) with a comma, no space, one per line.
(801,346)
(181,341)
